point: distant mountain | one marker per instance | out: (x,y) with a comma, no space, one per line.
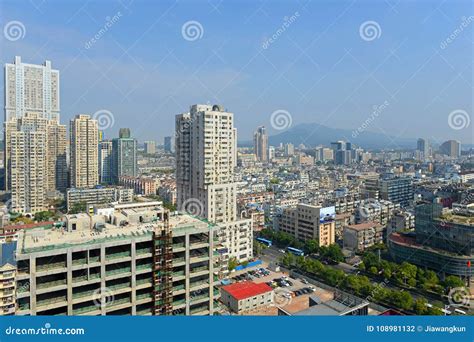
(313,134)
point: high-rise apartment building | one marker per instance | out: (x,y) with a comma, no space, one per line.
(168,144)
(84,151)
(205,161)
(124,149)
(31,88)
(105,162)
(56,176)
(289,150)
(260,144)
(26,148)
(423,146)
(150,147)
(451,148)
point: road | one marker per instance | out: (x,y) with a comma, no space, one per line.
(273,255)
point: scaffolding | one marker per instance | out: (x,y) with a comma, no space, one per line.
(163,267)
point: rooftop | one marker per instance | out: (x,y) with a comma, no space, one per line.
(246,289)
(48,238)
(364,225)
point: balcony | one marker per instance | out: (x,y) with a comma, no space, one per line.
(85,309)
(200,284)
(51,284)
(120,255)
(144,251)
(145,295)
(145,267)
(83,294)
(77,262)
(51,266)
(51,301)
(118,271)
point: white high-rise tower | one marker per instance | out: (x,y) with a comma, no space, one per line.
(206,143)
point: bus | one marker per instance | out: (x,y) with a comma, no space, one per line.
(295,251)
(266,242)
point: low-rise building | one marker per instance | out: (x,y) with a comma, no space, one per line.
(246,296)
(85,199)
(359,237)
(140,185)
(308,222)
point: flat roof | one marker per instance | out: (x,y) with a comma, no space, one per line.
(43,238)
(246,289)
(364,225)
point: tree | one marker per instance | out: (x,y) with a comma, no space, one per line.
(311,246)
(79,207)
(373,270)
(43,216)
(232,264)
(406,274)
(420,306)
(453,281)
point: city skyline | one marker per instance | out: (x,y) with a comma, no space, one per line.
(103,74)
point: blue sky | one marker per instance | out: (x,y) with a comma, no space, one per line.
(319,68)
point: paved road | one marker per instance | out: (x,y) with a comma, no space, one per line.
(273,255)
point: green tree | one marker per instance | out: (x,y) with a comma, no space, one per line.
(43,216)
(453,281)
(420,306)
(80,207)
(311,246)
(232,264)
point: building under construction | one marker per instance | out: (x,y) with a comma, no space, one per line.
(131,261)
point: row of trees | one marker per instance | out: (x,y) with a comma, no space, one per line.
(408,274)
(360,285)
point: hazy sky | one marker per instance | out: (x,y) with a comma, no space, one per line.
(329,62)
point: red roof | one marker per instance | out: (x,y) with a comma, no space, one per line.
(246,289)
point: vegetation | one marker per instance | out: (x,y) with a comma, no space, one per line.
(80,207)
(360,285)
(258,248)
(408,275)
(44,216)
(233,263)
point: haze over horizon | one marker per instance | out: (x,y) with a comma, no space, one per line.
(314,62)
